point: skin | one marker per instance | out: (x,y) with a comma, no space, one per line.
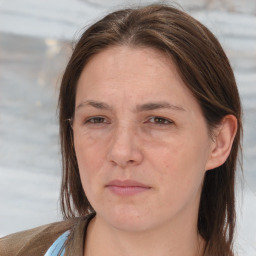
(123,129)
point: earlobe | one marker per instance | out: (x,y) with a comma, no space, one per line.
(222,144)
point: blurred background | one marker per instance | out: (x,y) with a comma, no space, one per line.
(35,44)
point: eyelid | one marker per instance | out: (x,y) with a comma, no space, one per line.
(169,122)
(87,120)
(166,121)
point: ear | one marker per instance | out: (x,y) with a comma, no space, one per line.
(221,146)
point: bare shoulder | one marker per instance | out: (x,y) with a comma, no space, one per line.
(34,241)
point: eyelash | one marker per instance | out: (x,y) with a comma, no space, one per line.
(89,120)
(163,121)
(158,120)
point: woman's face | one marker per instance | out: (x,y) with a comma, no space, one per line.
(141,141)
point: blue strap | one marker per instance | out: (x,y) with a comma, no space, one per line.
(58,245)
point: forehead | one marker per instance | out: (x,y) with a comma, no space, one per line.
(127,60)
(139,74)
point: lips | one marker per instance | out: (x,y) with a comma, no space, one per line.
(127,187)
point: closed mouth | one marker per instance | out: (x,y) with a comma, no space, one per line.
(127,187)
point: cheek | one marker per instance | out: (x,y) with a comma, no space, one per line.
(180,162)
(90,157)
(179,175)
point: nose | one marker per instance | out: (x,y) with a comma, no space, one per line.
(125,149)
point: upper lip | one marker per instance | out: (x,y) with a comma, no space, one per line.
(127,183)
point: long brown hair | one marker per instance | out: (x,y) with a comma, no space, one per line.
(206,71)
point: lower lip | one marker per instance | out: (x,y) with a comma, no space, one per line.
(127,191)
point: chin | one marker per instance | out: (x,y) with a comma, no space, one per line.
(129,220)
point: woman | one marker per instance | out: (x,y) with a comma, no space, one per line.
(150,126)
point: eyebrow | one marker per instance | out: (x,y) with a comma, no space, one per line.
(139,108)
(95,104)
(158,105)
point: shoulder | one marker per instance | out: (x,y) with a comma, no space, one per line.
(34,241)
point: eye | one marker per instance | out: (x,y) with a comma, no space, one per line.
(96,120)
(160,120)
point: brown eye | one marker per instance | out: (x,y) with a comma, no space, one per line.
(160,120)
(96,120)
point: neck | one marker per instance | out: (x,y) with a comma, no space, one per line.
(171,240)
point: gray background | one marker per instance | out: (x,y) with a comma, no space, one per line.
(35,43)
